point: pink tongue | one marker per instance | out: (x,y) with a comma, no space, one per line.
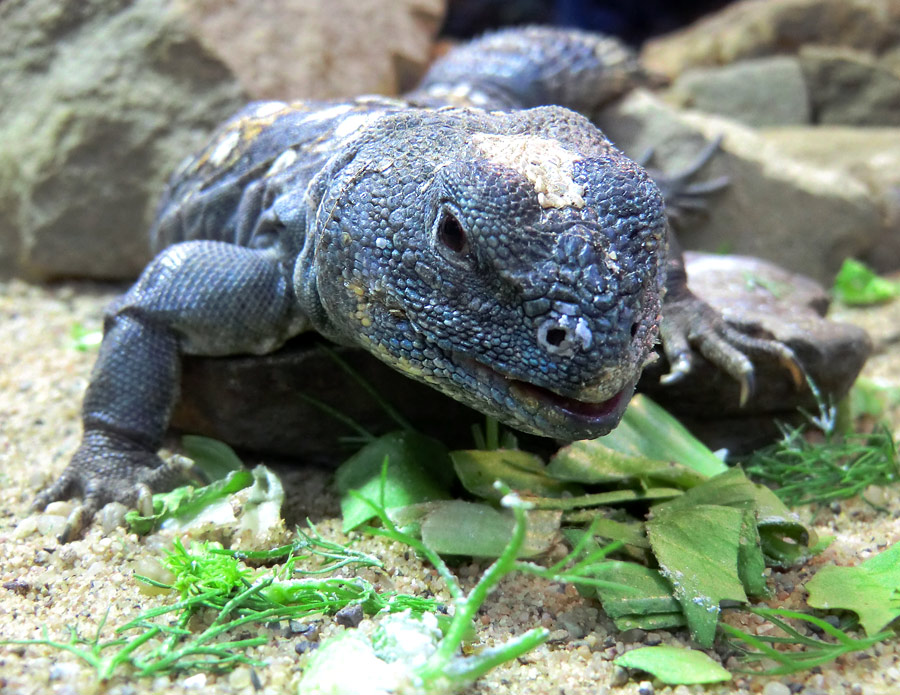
(571,405)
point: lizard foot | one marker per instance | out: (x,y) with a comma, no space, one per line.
(690,322)
(108,468)
(684,195)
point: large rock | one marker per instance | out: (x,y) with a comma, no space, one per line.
(101,99)
(804,217)
(767,301)
(98,101)
(754,28)
(870,156)
(778,304)
(319,49)
(761,92)
(850,87)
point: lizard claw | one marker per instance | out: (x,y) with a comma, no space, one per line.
(108,468)
(690,322)
(682,194)
(680,368)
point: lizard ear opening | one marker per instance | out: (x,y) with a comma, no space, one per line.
(451,234)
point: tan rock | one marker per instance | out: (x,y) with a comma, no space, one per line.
(867,155)
(765,27)
(806,217)
(319,48)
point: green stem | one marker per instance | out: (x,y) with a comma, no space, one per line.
(468,606)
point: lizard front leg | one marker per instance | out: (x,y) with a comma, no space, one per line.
(199,297)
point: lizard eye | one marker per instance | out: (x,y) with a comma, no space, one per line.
(451,234)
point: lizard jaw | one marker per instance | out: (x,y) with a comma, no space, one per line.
(585,411)
(551,414)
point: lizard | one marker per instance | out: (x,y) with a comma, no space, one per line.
(479,234)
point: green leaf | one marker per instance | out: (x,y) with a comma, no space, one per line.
(592,462)
(85,339)
(858,284)
(697,550)
(675,665)
(869,589)
(631,589)
(419,469)
(783,538)
(454,527)
(216,459)
(751,563)
(523,472)
(647,431)
(187,502)
(629,533)
(653,621)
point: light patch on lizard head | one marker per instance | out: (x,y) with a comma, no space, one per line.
(545,163)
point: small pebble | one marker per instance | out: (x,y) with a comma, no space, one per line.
(653,639)
(619,677)
(635,634)
(195,682)
(645,688)
(349,616)
(302,646)
(62,671)
(111,516)
(59,508)
(51,524)
(775,688)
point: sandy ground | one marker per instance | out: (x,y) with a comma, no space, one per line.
(47,584)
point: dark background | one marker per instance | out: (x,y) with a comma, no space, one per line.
(632,20)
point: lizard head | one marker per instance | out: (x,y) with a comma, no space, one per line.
(512,260)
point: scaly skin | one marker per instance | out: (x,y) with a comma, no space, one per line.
(498,249)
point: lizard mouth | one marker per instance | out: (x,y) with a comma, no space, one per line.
(550,413)
(574,408)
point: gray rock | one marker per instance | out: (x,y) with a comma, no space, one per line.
(755,28)
(761,92)
(804,217)
(298,402)
(850,87)
(100,100)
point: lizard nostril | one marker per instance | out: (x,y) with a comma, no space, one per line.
(555,336)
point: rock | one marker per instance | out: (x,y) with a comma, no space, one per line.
(298,402)
(311,49)
(850,87)
(761,92)
(807,218)
(754,28)
(774,303)
(100,100)
(868,155)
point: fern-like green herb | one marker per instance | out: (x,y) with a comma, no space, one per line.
(212,579)
(815,651)
(836,466)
